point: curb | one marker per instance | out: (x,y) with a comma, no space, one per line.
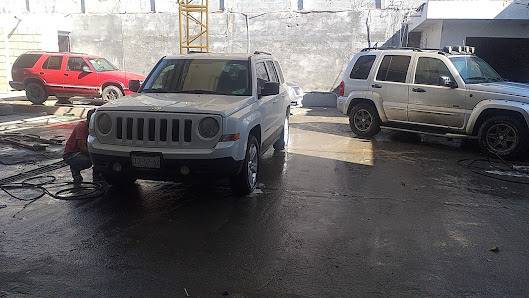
(6,109)
(319,99)
(51,110)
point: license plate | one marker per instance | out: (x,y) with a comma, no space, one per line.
(146,161)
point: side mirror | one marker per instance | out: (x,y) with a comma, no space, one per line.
(270,88)
(86,68)
(447,82)
(134,85)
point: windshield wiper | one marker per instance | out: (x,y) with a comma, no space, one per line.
(477,78)
(495,80)
(154,90)
(199,92)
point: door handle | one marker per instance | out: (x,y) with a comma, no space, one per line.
(376,86)
(418,90)
(41,72)
(65,74)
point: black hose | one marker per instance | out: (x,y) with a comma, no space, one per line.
(42,184)
(484,167)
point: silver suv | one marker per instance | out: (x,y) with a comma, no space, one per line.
(449,92)
(194,115)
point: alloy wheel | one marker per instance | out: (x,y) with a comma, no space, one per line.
(363,120)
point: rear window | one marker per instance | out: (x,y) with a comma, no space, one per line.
(53,62)
(394,68)
(27,60)
(362,67)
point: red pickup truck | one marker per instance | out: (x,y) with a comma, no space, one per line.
(65,75)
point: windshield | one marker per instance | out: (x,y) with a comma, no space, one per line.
(200,76)
(101,64)
(474,70)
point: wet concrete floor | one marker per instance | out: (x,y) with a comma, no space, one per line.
(334,216)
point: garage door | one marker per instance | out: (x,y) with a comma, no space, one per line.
(507,55)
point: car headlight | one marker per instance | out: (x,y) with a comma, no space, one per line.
(208,127)
(104,123)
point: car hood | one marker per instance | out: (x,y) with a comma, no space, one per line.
(223,105)
(503,88)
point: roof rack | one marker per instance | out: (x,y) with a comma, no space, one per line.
(262,52)
(74,53)
(393,48)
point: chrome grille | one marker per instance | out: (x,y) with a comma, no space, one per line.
(174,130)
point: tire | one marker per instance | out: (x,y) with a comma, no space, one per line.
(282,143)
(245,182)
(503,136)
(36,93)
(119,181)
(111,92)
(364,120)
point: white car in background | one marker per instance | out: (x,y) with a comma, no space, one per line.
(296,94)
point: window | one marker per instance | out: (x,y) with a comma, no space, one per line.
(362,67)
(101,64)
(394,68)
(200,76)
(273,72)
(27,60)
(429,70)
(75,64)
(261,71)
(474,70)
(279,72)
(53,62)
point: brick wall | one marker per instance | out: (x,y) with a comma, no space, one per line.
(19,41)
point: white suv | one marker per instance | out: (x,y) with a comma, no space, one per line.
(195,115)
(450,93)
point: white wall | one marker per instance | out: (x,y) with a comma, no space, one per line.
(431,36)
(456,31)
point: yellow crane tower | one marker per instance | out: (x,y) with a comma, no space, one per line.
(194,26)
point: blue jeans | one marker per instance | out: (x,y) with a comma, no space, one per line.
(78,161)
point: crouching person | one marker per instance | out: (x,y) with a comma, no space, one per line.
(76,151)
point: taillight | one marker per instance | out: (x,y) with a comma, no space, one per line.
(342,88)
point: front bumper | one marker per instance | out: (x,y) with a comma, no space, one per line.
(223,160)
(170,169)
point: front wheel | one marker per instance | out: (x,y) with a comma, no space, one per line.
(111,92)
(502,136)
(364,120)
(36,93)
(282,143)
(244,183)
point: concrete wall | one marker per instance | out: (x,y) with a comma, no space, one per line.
(313,48)
(313,39)
(431,36)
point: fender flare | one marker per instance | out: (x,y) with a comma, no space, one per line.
(26,81)
(496,104)
(373,97)
(115,83)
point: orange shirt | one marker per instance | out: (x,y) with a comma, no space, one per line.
(80,132)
